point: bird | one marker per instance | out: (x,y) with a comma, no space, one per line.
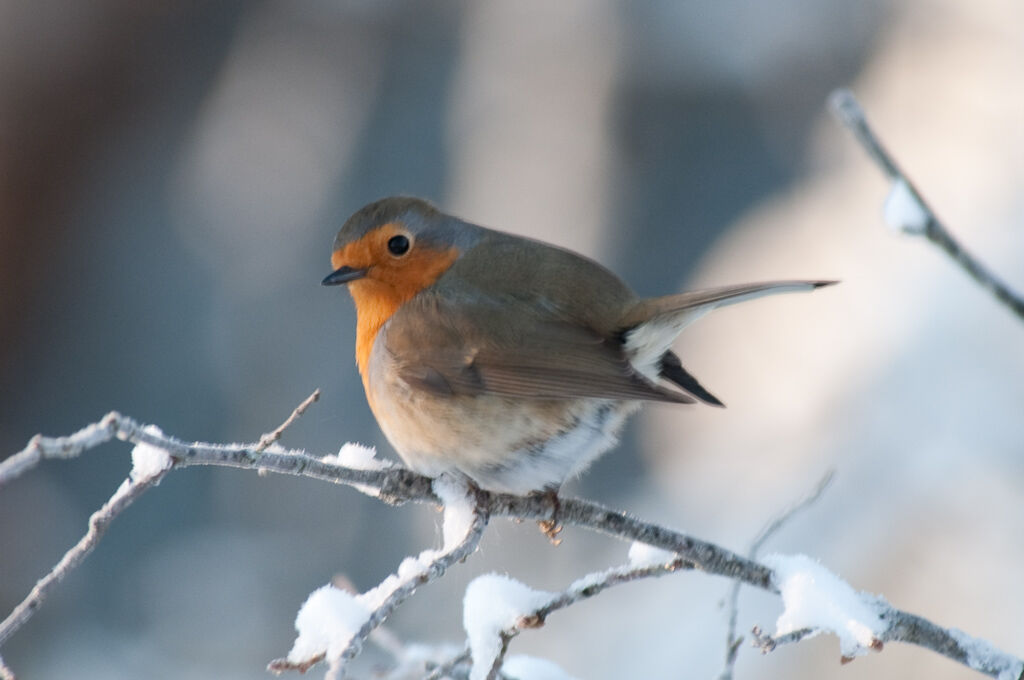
(503,360)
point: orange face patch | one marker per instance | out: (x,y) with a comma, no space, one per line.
(390,280)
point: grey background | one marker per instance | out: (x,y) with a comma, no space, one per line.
(172,177)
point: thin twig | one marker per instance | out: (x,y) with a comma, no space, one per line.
(40,447)
(766,643)
(271,437)
(100,520)
(733,641)
(435,570)
(845,107)
(448,668)
(584,588)
(810,499)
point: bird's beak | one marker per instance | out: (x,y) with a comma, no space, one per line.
(343,275)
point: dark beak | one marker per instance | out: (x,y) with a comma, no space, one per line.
(343,275)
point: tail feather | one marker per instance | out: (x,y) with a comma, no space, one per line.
(699,302)
(652,325)
(672,370)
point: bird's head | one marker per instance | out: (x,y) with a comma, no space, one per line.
(394,248)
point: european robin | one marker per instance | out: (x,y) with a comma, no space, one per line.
(504,359)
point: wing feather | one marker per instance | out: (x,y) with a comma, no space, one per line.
(479,348)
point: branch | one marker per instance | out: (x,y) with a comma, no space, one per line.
(138,483)
(907,207)
(766,643)
(464,526)
(40,447)
(397,485)
(484,618)
(733,641)
(272,437)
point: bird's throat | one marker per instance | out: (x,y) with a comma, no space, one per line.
(375,304)
(379,295)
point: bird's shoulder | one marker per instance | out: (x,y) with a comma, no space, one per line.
(543,281)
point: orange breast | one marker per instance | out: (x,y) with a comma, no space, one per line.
(389,283)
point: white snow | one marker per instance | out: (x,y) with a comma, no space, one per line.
(902,211)
(646,555)
(411,659)
(816,598)
(147,460)
(594,578)
(524,667)
(357,457)
(459,509)
(495,603)
(982,656)
(326,623)
(330,617)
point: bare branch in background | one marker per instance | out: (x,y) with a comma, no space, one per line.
(907,210)
(584,588)
(395,485)
(733,641)
(5,672)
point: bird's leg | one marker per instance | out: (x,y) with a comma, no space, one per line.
(551,527)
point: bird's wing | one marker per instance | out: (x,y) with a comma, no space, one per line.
(504,350)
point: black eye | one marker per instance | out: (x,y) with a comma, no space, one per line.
(398,245)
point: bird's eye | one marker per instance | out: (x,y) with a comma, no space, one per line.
(398,245)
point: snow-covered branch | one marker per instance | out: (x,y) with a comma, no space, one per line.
(733,641)
(149,466)
(497,608)
(907,211)
(333,625)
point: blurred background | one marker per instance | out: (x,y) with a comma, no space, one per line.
(171,178)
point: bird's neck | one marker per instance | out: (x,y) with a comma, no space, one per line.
(375,303)
(389,286)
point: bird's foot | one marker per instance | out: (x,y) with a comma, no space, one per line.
(551,527)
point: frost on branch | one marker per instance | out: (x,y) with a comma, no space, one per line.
(983,656)
(816,599)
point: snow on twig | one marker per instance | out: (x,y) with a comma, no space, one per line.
(733,641)
(907,211)
(497,608)
(333,624)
